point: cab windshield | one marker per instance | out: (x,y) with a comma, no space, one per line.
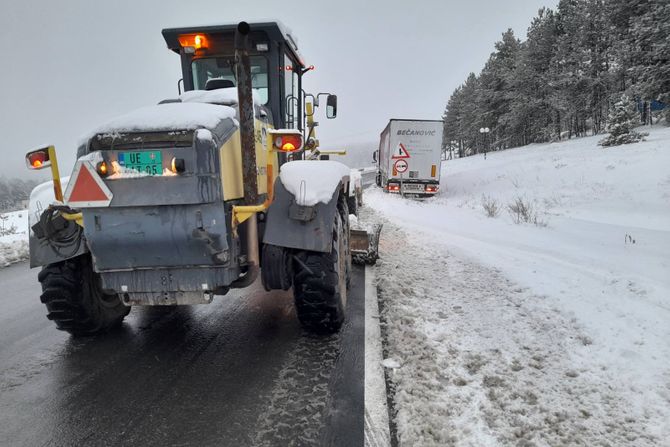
(223,68)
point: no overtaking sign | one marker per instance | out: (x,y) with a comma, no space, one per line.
(400,166)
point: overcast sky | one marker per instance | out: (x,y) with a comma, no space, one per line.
(69,65)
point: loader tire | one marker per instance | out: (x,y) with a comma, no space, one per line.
(343,207)
(319,285)
(74,298)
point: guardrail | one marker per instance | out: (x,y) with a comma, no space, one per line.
(368,176)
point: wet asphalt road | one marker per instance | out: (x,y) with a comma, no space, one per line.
(237,372)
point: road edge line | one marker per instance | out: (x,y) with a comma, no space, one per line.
(377,430)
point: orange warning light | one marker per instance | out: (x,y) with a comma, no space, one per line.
(102,169)
(288,143)
(197,41)
(38,159)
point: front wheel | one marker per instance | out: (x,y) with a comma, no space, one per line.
(75,300)
(319,285)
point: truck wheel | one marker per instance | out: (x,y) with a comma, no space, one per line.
(319,285)
(75,300)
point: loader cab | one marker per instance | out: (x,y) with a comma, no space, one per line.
(207,60)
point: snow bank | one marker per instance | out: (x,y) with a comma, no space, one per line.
(478,360)
(13,237)
(13,252)
(165,117)
(594,292)
(312,181)
(225,96)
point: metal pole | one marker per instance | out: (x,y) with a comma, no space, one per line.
(55,174)
(246,108)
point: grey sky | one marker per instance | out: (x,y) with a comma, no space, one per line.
(71,64)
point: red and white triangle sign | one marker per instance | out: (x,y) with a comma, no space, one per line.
(86,189)
(400,152)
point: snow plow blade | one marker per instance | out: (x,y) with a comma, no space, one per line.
(365,245)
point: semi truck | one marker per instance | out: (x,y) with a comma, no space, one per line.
(409,157)
(182,201)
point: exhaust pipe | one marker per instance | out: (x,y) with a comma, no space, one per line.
(249,168)
(246,105)
(253,260)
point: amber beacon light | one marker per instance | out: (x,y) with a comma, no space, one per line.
(288,142)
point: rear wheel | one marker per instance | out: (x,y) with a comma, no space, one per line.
(319,285)
(75,300)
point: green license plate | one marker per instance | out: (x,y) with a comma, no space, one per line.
(148,162)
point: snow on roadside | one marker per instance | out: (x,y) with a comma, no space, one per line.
(13,237)
(594,303)
(485,362)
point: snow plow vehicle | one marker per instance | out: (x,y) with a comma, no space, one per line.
(175,203)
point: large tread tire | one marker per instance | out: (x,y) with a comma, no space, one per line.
(319,285)
(344,209)
(74,298)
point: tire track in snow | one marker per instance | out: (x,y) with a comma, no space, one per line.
(298,400)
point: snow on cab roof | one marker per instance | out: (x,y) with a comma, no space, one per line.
(166,117)
(226,96)
(312,181)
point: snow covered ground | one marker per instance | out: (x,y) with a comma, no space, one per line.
(546,333)
(13,237)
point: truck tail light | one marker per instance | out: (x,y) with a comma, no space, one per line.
(394,187)
(431,188)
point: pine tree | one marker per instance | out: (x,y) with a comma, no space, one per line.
(651,40)
(621,123)
(562,81)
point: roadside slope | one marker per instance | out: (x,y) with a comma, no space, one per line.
(595,302)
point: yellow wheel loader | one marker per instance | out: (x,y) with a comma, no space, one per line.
(175,203)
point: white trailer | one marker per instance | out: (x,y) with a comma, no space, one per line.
(409,157)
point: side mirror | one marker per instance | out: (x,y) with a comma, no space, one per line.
(331,106)
(40,158)
(374,156)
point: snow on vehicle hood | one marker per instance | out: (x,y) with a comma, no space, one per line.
(226,96)
(165,117)
(312,181)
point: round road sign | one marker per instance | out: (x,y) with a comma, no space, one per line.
(401,166)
